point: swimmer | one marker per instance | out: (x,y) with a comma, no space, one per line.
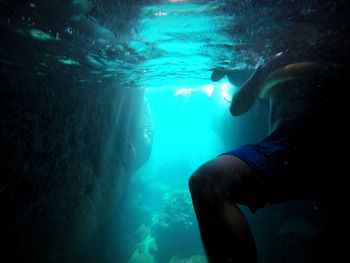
(285,165)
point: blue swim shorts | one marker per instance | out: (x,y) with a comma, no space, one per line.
(296,161)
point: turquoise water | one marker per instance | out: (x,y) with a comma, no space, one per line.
(182,43)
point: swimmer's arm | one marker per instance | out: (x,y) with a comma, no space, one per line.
(238,76)
(244,98)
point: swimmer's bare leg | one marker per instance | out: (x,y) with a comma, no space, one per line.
(224,230)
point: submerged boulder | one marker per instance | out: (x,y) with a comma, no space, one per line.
(176,232)
(193,259)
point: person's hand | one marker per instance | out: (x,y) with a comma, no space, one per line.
(217,74)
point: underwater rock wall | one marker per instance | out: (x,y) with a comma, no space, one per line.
(66,155)
(72,129)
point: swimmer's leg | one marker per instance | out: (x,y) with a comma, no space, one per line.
(224,230)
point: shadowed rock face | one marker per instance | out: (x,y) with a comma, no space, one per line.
(71,132)
(64,167)
(177,221)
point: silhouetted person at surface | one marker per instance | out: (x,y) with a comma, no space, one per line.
(301,158)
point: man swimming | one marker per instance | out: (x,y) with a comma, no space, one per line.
(285,165)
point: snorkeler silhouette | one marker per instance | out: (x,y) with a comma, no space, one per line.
(301,158)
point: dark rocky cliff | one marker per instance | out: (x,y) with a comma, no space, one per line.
(71,131)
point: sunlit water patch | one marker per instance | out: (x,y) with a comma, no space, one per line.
(180,43)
